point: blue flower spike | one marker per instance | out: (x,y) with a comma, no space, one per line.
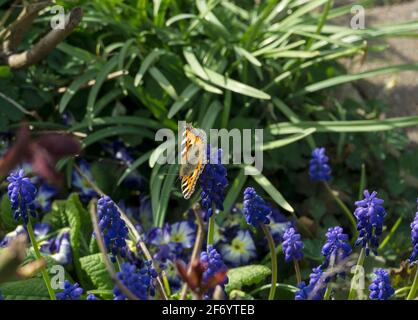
(370,216)
(292,245)
(319,169)
(414,237)
(113,228)
(71,292)
(213,182)
(381,289)
(255,209)
(22,193)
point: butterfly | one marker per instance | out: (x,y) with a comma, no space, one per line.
(193,158)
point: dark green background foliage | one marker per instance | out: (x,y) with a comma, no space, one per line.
(224,64)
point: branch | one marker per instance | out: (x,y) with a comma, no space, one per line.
(18,29)
(44,46)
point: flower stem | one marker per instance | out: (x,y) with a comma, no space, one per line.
(211,230)
(327,294)
(273,261)
(38,255)
(413,292)
(297,271)
(359,265)
(344,208)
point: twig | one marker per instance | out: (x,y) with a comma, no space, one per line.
(131,227)
(196,249)
(108,263)
(91,83)
(20,107)
(44,46)
(18,29)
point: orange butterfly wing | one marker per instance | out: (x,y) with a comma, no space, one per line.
(191,138)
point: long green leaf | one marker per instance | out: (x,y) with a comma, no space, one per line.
(283,142)
(344,126)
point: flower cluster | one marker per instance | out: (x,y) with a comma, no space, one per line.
(316,287)
(292,245)
(319,170)
(22,193)
(213,182)
(112,226)
(255,209)
(336,248)
(213,262)
(381,289)
(370,215)
(71,292)
(138,282)
(414,236)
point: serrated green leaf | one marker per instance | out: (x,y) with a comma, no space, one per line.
(246,276)
(95,268)
(6,214)
(31,289)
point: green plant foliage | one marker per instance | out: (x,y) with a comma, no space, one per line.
(241,277)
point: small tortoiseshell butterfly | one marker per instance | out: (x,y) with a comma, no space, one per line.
(193,158)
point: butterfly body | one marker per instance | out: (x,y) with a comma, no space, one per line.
(193,159)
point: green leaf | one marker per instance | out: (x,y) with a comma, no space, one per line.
(146,64)
(95,268)
(142,159)
(269,188)
(31,289)
(283,142)
(353,77)
(163,82)
(248,55)
(344,126)
(233,85)
(101,77)
(6,214)
(246,276)
(74,87)
(188,93)
(164,196)
(115,131)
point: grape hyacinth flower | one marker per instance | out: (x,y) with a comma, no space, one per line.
(71,292)
(414,237)
(91,296)
(255,209)
(138,282)
(381,289)
(370,215)
(316,287)
(336,248)
(240,250)
(292,245)
(213,182)
(319,169)
(22,193)
(112,226)
(213,263)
